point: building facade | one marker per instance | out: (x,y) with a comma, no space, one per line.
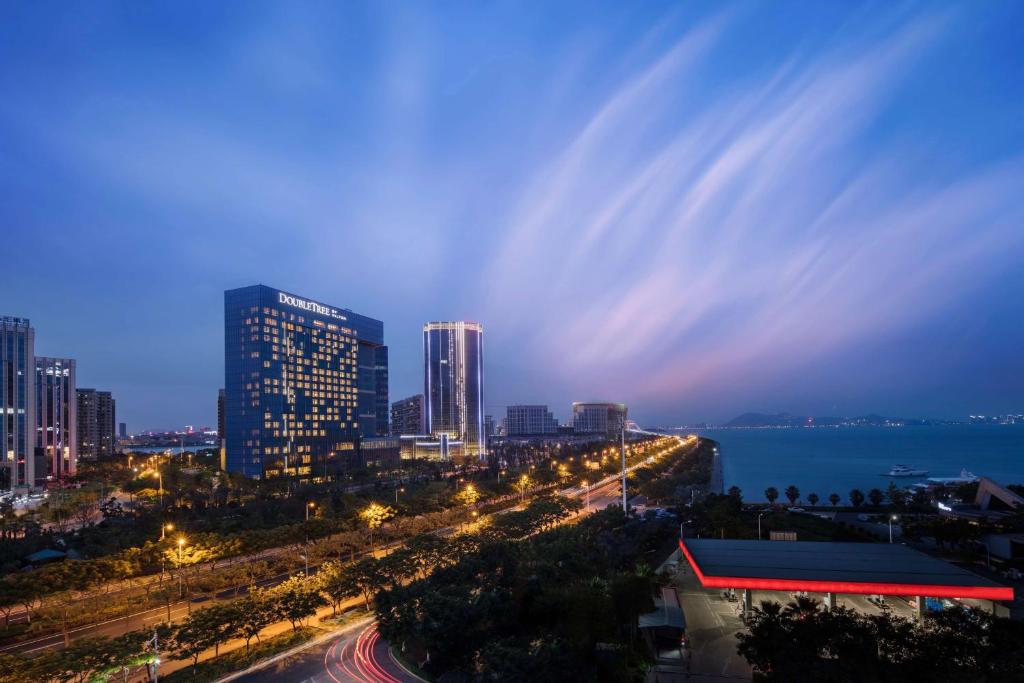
(524,420)
(17,404)
(599,418)
(56,420)
(380,370)
(122,430)
(407,416)
(97,414)
(302,383)
(453,382)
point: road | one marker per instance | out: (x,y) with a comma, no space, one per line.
(359,656)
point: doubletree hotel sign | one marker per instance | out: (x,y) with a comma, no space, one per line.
(311,306)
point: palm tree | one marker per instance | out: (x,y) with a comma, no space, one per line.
(856,498)
(772,494)
(876,497)
(801,608)
(792,493)
(834,499)
(812,498)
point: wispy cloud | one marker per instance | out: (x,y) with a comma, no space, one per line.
(756,233)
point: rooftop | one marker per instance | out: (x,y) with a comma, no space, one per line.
(860,568)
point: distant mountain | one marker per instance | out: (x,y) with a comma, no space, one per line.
(766,420)
(752,420)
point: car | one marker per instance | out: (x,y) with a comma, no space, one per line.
(796,509)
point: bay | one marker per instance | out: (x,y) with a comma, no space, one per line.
(825,460)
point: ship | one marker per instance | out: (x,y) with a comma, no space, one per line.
(964,478)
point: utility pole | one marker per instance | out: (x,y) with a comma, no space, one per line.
(625,509)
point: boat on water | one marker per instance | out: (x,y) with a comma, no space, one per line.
(904,471)
(965,477)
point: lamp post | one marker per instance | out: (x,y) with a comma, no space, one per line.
(181,543)
(759,516)
(309,506)
(892,518)
(586,486)
(398,489)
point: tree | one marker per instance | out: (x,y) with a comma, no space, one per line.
(256,611)
(366,576)
(834,499)
(876,497)
(374,516)
(522,485)
(296,599)
(468,496)
(812,498)
(856,498)
(792,493)
(194,636)
(735,492)
(772,494)
(336,584)
(897,497)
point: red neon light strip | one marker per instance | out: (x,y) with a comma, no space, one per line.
(853,587)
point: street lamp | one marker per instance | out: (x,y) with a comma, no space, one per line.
(586,485)
(759,516)
(398,489)
(164,529)
(181,544)
(309,506)
(892,518)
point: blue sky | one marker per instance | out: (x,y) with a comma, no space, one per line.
(698,208)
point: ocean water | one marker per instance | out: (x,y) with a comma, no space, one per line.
(826,460)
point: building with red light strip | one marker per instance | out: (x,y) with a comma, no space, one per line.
(833,568)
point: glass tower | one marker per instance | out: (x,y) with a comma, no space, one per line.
(17,404)
(302,383)
(56,418)
(453,381)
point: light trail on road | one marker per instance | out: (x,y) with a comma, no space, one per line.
(356,659)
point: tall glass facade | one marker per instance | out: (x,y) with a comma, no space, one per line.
(56,419)
(17,404)
(453,381)
(302,383)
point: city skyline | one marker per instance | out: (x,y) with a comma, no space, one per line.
(696,211)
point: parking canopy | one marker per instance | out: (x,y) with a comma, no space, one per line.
(858,568)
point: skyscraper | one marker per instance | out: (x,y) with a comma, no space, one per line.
(302,383)
(96,417)
(529,421)
(17,403)
(56,419)
(453,381)
(407,416)
(122,430)
(380,373)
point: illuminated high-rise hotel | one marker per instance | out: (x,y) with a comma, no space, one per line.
(453,381)
(304,382)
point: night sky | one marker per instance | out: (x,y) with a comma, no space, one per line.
(697,208)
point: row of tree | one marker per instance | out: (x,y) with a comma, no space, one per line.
(894,496)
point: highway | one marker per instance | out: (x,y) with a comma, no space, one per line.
(358,655)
